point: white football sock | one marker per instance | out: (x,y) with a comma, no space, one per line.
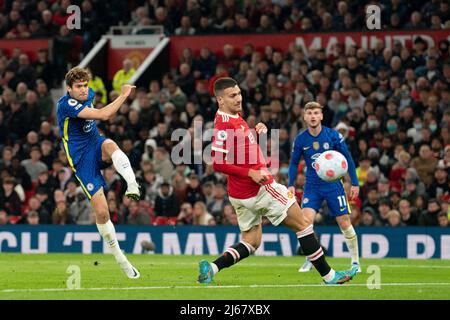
(215,269)
(108,233)
(352,243)
(123,166)
(328,277)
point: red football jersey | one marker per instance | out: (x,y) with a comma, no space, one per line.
(233,138)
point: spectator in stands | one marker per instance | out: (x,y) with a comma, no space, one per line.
(408,215)
(9,198)
(32,218)
(46,182)
(194,191)
(31,107)
(136,215)
(425,164)
(63,45)
(96,83)
(394,219)
(186,214)
(440,186)
(61,214)
(33,165)
(48,27)
(166,203)
(201,216)
(26,73)
(442,219)
(20,174)
(217,206)
(429,217)
(185,28)
(4,219)
(7,155)
(162,164)
(369,218)
(384,207)
(186,80)
(44,103)
(15,119)
(80,209)
(162,19)
(123,75)
(34,205)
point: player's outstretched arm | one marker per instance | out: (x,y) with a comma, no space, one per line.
(109,110)
(341,146)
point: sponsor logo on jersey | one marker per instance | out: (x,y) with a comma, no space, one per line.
(316,145)
(88,125)
(314,157)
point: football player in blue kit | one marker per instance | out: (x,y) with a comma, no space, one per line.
(88,152)
(310,144)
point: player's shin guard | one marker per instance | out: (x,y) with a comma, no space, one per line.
(123,166)
(352,243)
(313,250)
(108,233)
(232,255)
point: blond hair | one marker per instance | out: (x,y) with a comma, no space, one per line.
(312,105)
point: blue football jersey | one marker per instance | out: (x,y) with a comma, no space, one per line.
(311,147)
(77,134)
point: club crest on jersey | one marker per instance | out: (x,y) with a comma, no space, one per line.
(326,146)
(316,145)
(222,135)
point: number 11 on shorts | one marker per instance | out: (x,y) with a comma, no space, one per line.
(342,201)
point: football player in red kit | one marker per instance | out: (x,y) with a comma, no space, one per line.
(253,192)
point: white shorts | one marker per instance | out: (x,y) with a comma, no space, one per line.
(272,201)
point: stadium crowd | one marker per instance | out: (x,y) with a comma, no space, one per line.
(391,105)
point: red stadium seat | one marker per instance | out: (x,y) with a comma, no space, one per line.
(14,219)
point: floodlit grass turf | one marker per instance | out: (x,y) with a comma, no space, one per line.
(174,277)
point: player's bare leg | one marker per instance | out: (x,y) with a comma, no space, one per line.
(108,233)
(298,222)
(350,238)
(251,240)
(110,151)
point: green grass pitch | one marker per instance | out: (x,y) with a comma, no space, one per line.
(174,278)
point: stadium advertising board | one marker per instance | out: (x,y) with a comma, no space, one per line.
(408,242)
(306,41)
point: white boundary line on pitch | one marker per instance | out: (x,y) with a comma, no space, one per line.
(251,264)
(399,284)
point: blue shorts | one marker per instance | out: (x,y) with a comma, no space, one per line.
(332,192)
(88,169)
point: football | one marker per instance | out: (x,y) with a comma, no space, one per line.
(331,166)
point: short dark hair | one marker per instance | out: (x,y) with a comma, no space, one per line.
(223,83)
(77,74)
